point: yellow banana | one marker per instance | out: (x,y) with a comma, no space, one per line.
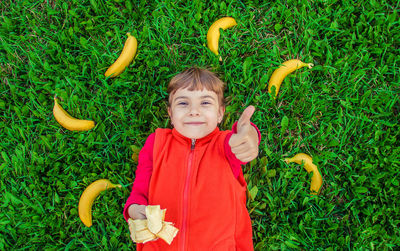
(88,196)
(124,59)
(213,33)
(69,122)
(286,68)
(316,180)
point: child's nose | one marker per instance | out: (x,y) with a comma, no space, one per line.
(194,111)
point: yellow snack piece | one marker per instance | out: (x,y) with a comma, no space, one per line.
(168,232)
(154,218)
(153,227)
(139,231)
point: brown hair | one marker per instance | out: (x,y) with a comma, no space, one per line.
(197,79)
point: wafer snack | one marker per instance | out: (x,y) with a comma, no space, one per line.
(153,227)
(155,218)
(168,232)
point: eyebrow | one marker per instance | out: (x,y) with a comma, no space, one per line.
(186,97)
(207,96)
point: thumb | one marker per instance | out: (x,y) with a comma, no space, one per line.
(244,119)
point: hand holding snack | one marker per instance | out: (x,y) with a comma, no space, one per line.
(137,211)
(152,228)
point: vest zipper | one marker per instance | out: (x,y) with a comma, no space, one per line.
(185,198)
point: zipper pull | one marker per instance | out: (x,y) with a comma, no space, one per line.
(193,144)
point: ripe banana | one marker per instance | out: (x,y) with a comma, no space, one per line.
(286,68)
(316,180)
(88,196)
(69,122)
(124,59)
(213,33)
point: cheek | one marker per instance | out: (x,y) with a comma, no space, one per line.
(215,116)
(175,114)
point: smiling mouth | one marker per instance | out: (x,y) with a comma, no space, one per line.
(194,123)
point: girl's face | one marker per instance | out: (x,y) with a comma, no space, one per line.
(195,114)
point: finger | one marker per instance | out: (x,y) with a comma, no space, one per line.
(239,140)
(235,140)
(139,216)
(137,211)
(246,145)
(246,157)
(242,148)
(245,117)
(247,154)
(243,157)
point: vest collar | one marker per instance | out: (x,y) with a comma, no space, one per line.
(199,142)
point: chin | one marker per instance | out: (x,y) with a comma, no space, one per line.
(195,135)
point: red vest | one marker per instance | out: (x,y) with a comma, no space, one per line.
(203,199)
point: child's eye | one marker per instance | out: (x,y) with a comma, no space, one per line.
(182,103)
(205,103)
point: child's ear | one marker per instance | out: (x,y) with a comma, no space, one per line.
(169,111)
(169,114)
(221,114)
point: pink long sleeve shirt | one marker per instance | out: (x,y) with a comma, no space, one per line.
(140,187)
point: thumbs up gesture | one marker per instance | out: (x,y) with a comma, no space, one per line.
(244,143)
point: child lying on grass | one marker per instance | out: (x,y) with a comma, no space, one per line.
(194,170)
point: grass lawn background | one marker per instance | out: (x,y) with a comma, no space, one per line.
(344,112)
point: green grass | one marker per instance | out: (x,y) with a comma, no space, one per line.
(344,112)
